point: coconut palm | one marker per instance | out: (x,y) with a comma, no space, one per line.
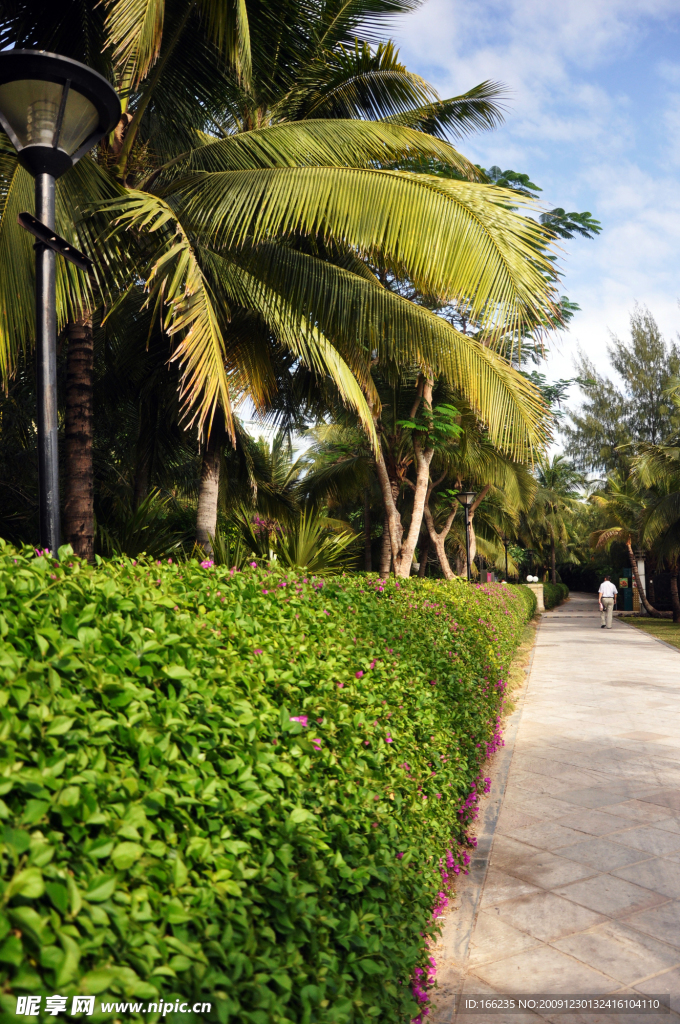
(559,489)
(624,505)
(283,220)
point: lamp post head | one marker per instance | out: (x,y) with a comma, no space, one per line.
(53,109)
(466,497)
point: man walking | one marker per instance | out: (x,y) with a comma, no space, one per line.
(608,594)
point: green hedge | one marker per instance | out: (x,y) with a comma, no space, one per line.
(554,594)
(238,789)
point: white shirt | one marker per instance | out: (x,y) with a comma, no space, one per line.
(607,589)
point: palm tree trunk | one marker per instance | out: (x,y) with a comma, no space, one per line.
(674,593)
(367,530)
(552,559)
(208,493)
(643,597)
(386,549)
(79,483)
(142,479)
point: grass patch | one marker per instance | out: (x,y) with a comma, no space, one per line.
(662,629)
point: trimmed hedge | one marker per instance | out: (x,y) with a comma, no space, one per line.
(554,594)
(236,788)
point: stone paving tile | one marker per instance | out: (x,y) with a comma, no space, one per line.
(546,836)
(545,916)
(596,822)
(660,875)
(545,806)
(639,810)
(543,970)
(601,854)
(610,895)
(620,952)
(494,939)
(500,886)
(663,921)
(650,839)
(548,870)
(509,819)
(664,984)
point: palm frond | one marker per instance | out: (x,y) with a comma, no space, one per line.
(479,251)
(476,110)
(321,143)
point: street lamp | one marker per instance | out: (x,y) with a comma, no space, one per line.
(466,498)
(54,110)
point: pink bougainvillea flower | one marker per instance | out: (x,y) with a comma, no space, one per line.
(317,744)
(438,795)
(340,685)
(388,739)
(253,565)
(358,675)
(208,564)
(258,651)
(399,856)
(302,719)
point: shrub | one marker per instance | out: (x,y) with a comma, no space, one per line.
(236,787)
(554,594)
(530,600)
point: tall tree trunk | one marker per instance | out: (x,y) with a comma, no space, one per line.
(367,530)
(674,592)
(142,477)
(79,483)
(643,597)
(208,493)
(385,550)
(552,559)
(439,539)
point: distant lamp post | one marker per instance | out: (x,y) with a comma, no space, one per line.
(54,110)
(466,498)
(530,552)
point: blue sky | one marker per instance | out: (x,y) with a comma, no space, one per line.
(593,116)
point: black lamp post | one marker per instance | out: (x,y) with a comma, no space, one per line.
(54,110)
(530,552)
(466,498)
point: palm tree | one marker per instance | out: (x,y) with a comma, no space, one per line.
(623,506)
(283,220)
(559,487)
(657,467)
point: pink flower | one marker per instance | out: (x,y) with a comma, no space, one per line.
(253,565)
(302,719)
(399,856)
(358,675)
(169,561)
(388,739)
(208,564)
(438,795)
(340,685)
(258,651)
(317,744)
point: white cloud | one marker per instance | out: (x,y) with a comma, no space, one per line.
(594,118)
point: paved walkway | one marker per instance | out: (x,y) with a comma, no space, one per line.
(576,887)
